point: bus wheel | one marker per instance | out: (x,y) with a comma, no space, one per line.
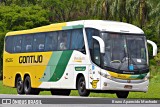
(65,92)
(28,89)
(19,85)
(82,87)
(122,94)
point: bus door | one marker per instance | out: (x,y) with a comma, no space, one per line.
(95,69)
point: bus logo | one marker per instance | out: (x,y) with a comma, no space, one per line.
(94,83)
(9,60)
(31,59)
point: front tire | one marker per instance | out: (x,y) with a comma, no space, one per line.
(122,94)
(28,89)
(82,87)
(65,92)
(19,85)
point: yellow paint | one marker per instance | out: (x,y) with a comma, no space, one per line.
(94,83)
(77,60)
(35,70)
(120,76)
(52,27)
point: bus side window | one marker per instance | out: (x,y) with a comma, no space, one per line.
(27,43)
(67,35)
(61,41)
(41,47)
(64,40)
(51,41)
(28,47)
(39,40)
(77,41)
(17,43)
(9,44)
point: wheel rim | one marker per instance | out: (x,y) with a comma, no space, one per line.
(82,86)
(19,85)
(26,85)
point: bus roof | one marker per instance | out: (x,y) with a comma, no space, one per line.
(102,25)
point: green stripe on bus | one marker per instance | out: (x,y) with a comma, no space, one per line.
(61,66)
(80,68)
(141,76)
(78,26)
(67,27)
(72,27)
(51,66)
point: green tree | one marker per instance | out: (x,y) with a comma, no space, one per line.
(15,17)
(155,13)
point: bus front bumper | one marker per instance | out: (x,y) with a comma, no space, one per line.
(108,84)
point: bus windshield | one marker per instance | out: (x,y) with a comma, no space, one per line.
(124,51)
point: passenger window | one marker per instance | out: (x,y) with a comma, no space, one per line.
(51,41)
(38,43)
(9,44)
(17,44)
(64,40)
(27,43)
(77,41)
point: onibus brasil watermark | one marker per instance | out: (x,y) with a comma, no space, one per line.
(21,101)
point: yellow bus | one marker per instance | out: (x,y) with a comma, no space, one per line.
(87,55)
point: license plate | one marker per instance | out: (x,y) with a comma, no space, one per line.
(128,86)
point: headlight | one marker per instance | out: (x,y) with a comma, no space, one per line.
(105,75)
(147,77)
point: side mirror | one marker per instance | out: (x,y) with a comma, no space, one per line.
(154,47)
(101,43)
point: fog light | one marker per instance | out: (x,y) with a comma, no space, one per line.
(105,84)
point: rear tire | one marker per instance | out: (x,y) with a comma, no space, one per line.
(65,92)
(122,94)
(19,85)
(82,87)
(28,89)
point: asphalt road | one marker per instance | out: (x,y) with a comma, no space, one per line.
(74,101)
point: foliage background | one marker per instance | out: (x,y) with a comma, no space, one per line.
(27,14)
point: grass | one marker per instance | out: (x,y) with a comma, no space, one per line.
(153,92)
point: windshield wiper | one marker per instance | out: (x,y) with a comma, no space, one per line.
(134,63)
(128,57)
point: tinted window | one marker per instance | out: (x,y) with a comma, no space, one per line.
(51,41)
(64,40)
(39,41)
(17,44)
(96,52)
(77,41)
(27,44)
(67,34)
(91,32)
(9,44)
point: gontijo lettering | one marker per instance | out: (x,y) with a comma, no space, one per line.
(31,59)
